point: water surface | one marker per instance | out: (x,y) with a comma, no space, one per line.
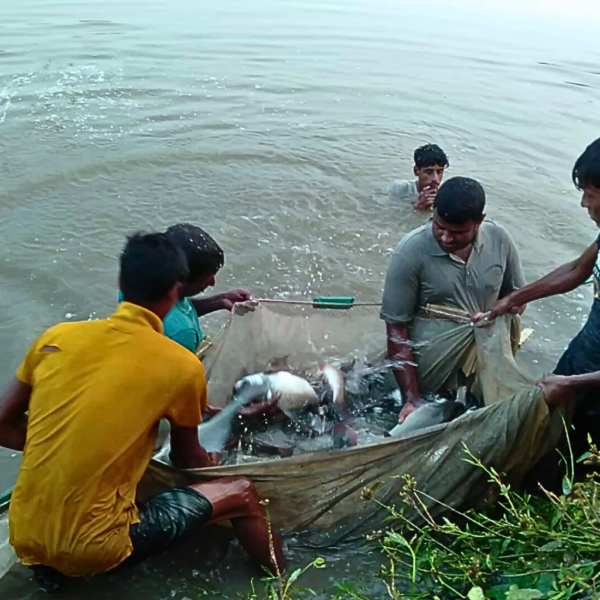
(277,126)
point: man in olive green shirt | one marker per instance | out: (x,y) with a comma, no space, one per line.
(456,260)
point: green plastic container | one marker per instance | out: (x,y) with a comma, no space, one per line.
(338,302)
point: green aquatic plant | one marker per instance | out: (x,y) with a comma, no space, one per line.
(523,547)
(278,587)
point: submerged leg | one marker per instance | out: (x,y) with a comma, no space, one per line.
(235,499)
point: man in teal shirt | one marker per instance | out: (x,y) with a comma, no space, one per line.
(205,258)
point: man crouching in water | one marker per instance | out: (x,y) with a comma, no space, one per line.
(84,409)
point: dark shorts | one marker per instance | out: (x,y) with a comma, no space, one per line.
(167,518)
(582,356)
(164,520)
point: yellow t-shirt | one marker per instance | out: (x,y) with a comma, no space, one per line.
(99,391)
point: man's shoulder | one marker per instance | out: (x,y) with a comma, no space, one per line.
(178,318)
(73,328)
(414,241)
(403,189)
(176,353)
(495,231)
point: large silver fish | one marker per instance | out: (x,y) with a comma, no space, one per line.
(429,414)
(293,393)
(213,434)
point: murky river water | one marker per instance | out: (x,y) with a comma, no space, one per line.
(277,125)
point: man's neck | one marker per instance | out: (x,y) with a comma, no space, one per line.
(464,253)
(160,309)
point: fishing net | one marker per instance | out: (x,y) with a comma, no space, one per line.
(319,493)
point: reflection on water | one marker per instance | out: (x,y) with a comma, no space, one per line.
(278,126)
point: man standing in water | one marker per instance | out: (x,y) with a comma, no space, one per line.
(430,164)
(456,260)
(205,258)
(84,410)
(578,370)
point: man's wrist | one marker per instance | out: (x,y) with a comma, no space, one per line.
(221,301)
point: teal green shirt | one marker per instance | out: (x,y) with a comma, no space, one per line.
(182,324)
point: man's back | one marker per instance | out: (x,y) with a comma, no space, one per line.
(99,390)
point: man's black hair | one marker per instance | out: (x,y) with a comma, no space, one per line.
(204,256)
(150,265)
(460,200)
(430,155)
(587,168)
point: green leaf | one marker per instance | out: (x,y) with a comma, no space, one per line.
(294,576)
(584,456)
(551,546)
(514,593)
(498,592)
(476,593)
(545,584)
(567,486)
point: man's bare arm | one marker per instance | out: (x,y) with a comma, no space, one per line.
(186,451)
(14,404)
(400,350)
(564,279)
(560,388)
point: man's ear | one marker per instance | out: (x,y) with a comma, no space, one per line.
(480,220)
(416,171)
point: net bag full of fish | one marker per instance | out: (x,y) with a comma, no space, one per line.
(505,423)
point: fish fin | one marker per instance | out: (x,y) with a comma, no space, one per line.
(321,363)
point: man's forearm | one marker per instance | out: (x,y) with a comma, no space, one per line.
(584,381)
(400,351)
(14,436)
(14,404)
(204,306)
(190,460)
(560,281)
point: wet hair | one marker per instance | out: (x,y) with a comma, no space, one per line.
(150,265)
(429,156)
(586,171)
(460,200)
(204,256)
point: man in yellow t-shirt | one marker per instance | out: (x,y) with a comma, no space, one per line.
(84,409)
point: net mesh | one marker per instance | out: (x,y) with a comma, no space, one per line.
(320,493)
(297,334)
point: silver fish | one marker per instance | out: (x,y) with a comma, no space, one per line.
(213,434)
(335,380)
(429,414)
(293,392)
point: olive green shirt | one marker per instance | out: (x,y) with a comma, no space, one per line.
(421,273)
